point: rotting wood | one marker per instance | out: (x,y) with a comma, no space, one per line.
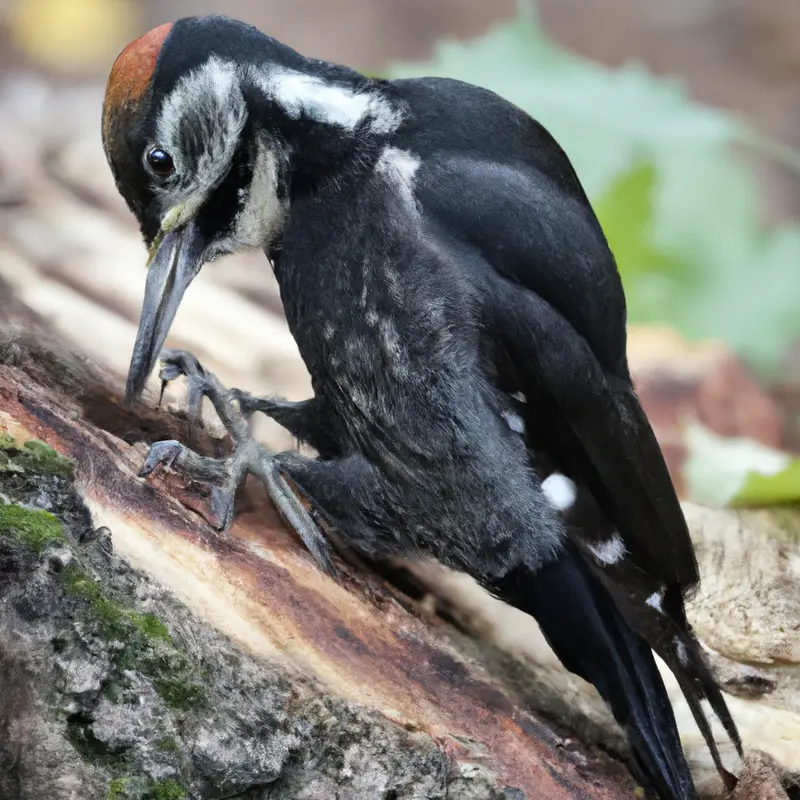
(71,266)
(356,642)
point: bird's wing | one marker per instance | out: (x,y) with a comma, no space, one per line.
(555,301)
(595,422)
(602,429)
(539,234)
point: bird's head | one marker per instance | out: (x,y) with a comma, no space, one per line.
(210,127)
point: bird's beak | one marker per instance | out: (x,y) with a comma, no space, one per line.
(175,258)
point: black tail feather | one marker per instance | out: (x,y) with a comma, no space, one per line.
(662,624)
(592,639)
(688,664)
(692,666)
(720,708)
(705,729)
(668,633)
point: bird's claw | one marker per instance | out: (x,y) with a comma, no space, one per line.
(175,363)
(222,506)
(247,402)
(161,454)
(227,475)
(178,363)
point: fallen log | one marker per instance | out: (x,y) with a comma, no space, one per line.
(143,655)
(141,652)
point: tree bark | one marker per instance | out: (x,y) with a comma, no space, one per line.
(144,655)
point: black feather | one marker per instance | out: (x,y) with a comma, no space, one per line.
(665,628)
(592,639)
(421,293)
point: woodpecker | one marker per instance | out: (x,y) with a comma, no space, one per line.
(462,318)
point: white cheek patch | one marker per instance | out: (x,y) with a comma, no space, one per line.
(263,216)
(209,101)
(609,552)
(560,491)
(330,103)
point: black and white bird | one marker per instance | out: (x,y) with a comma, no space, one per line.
(461,316)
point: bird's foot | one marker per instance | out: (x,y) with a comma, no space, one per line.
(248,457)
(274,407)
(249,404)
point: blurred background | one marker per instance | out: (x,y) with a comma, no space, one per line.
(682,120)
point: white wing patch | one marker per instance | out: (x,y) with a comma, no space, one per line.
(517,424)
(654,601)
(560,491)
(609,552)
(330,103)
(398,164)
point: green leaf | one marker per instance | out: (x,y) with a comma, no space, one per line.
(654,278)
(767,490)
(681,211)
(606,119)
(722,471)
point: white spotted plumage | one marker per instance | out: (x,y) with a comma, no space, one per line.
(399,167)
(560,491)
(516,423)
(682,652)
(655,600)
(610,552)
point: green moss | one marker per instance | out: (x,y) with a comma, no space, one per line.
(76,582)
(115,619)
(139,787)
(34,456)
(151,626)
(180,693)
(175,677)
(146,643)
(168,789)
(42,459)
(35,529)
(111,615)
(167,745)
(129,787)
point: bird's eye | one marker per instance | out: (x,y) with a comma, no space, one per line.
(159,162)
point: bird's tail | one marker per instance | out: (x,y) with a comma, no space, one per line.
(591,638)
(670,635)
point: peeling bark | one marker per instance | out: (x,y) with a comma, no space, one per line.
(148,657)
(304,687)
